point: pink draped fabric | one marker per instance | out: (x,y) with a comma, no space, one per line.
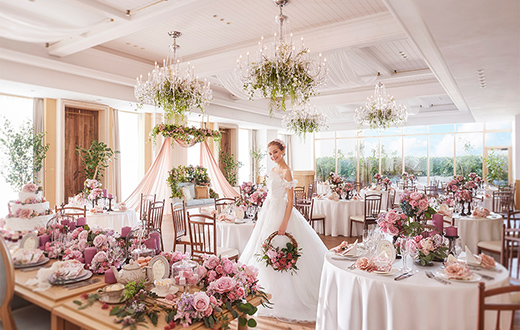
(154,181)
(184,144)
(218,181)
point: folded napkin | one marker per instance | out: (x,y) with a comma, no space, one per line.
(24,257)
(64,269)
(486,261)
(340,248)
(351,250)
(470,258)
(457,270)
(334,197)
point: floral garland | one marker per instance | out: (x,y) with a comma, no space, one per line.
(195,174)
(190,135)
(288,76)
(304,121)
(281,259)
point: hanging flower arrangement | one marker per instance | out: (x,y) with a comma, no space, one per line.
(190,135)
(304,121)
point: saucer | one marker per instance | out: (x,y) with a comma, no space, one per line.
(173,290)
(106,299)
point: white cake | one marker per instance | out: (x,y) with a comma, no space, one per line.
(29,212)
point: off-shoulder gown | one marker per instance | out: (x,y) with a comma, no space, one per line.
(295,297)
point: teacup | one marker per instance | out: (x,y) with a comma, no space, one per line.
(163,285)
(113,291)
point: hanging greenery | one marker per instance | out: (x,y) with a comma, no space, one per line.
(25,153)
(187,134)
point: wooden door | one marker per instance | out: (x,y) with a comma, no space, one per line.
(81,128)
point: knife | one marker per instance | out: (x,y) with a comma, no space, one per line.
(403,276)
(81,284)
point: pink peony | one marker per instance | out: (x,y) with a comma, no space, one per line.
(364,263)
(392,217)
(100,240)
(30,188)
(223,284)
(211,262)
(200,301)
(228,266)
(100,257)
(24,213)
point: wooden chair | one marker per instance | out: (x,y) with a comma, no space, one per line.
(179,225)
(29,317)
(357,185)
(431,191)
(299,194)
(483,306)
(501,202)
(146,200)
(71,212)
(409,187)
(310,189)
(509,253)
(154,219)
(371,210)
(306,208)
(391,199)
(203,238)
(222,203)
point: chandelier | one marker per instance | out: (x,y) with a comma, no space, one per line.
(283,72)
(304,120)
(175,91)
(381,111)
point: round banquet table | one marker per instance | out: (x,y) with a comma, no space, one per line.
(472,229)
(114,220)
(355,299)
(234,235)
(337,215)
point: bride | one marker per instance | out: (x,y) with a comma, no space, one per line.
(294,297)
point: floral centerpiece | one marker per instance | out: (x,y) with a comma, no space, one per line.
(392,223)
(415,205)
(386,183)
(195,174)
(430,245)
(190,135)
(335,180)
(304,121)
(378,178)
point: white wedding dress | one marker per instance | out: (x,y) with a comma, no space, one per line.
(294,297)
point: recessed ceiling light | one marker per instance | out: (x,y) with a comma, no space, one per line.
(403,54)
(136,46)
(142,48)
(228,23)
(222,20)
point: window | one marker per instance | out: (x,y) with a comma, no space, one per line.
(469,154)
(368,159)
(244,146)
(325,158)
(392,157)
(415,156)
(347,159)
(441,157)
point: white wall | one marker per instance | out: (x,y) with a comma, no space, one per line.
(302,155)
(515,142)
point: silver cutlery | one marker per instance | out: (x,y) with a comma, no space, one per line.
(30,269)
(81,284)
(486,277)
(438,279)
(496,269)
(351,267)
(403,276)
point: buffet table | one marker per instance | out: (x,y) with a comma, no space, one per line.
(354,299)
(234,235)
(114,220)
(337,215)
(472,229)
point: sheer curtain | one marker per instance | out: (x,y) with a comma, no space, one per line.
(218,181)
(38,128)
(116,178)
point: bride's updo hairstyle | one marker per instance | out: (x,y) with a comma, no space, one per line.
(277,142)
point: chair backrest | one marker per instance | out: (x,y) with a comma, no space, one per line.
(310,189)
(409,187)
(71,212)
(431,191)
(501,202)
(483,306)
(510,247)
(179,219)
(6,286)
(203,235)
(391,199)
(372,206)
(305,208)
(222,203)
(357,185)
(155,216)
(513,219)
(146,200)
(299,194)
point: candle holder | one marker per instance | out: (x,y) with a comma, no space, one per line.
(110,204)
(451,243)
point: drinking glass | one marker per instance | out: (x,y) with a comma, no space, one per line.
(404,254)
(457,248)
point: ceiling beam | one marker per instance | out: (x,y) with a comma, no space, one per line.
(110,11)
(119,28)
(371,60)
(362,32)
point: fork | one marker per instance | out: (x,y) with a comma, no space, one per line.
(351,267)
(438,279)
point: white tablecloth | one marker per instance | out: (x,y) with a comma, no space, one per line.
(114,220)
(233,235)
(337,215)
(323,189)
(354,299)
(473,230)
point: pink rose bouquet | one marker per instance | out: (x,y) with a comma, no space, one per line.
(416,205)
(392,223)
(30,188)
(430,245)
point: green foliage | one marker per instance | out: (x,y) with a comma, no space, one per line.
(195,174)
(496,166)
(25,153)
(325,165)
(96,159)
(230,167)
(257,155)
(187,134)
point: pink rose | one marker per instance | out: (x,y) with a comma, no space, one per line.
(100,240)
(241,293)
(393,230)
(100,257)
(227,266)
(211,262)
(82,244)
(414,203)
(423,204)
(200,301)
(83,235)
(30,187)
(392,217)
(224,284)
(24,213)
(415,195)
(457,270)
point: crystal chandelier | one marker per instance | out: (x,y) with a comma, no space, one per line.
(303,120)
(283,72)
(381,111)
(167,87)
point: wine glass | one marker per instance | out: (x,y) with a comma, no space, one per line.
(413,252)
(457,247)
(404,254)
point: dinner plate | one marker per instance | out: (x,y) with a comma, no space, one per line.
(34,264)
(474,277)
(392,271)
(172,290)
(84,275)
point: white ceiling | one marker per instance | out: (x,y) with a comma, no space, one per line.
(427,53)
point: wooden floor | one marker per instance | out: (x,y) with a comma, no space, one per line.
(264,323)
